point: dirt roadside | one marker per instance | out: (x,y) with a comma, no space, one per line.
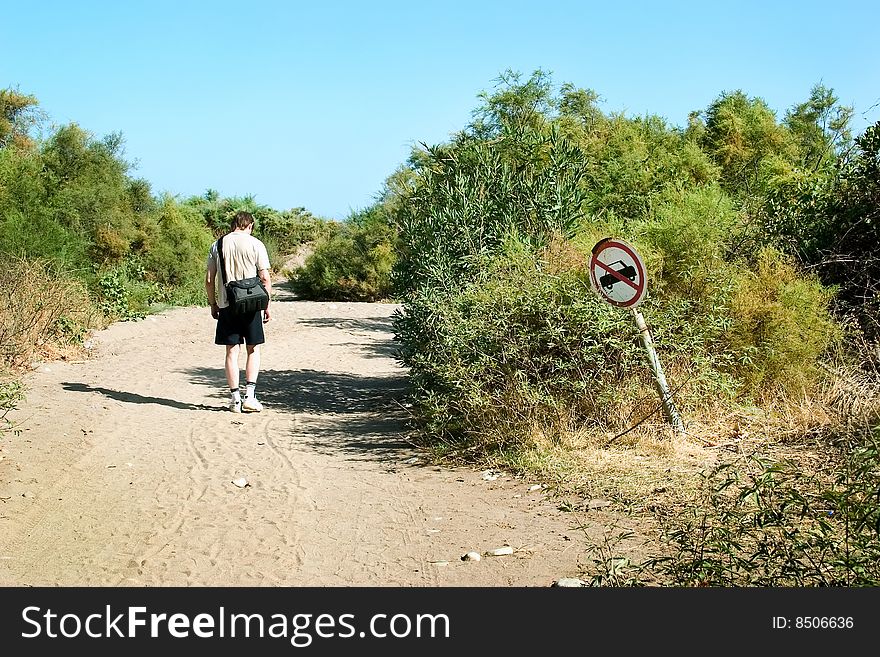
(122,473)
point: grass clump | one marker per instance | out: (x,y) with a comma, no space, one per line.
(43,312)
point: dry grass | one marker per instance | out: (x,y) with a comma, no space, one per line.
(647,469)
(43,313)
(654,477)
(650,470)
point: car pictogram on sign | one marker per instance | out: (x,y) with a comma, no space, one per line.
(608,280)
(617,273)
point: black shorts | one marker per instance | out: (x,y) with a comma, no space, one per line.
(238,329)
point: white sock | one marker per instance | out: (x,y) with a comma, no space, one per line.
(250,389)
(236,395)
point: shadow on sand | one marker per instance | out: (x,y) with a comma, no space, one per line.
(361,416)
(134,398)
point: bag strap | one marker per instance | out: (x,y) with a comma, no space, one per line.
(222,260)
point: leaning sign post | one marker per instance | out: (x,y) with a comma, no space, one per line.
(617,274)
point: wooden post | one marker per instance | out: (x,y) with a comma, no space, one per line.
(659,378)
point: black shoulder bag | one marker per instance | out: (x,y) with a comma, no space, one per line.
(245,296)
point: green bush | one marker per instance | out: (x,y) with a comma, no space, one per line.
(470,195)
(175,260)
(88,190)
(830,220)
(529,346)
(773,523)
(11,393)
(520,348)
(28,227)
(500,329)
(294,227)
(37,236)
(780,326)
(686,241)
(353,263)
(124,292)
(631,163)
(69,200)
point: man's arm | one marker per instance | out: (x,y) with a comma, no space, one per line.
(267,283)
(210,274)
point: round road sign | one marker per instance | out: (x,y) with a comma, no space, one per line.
(617,273)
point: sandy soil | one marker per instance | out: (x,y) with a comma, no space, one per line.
(122,472)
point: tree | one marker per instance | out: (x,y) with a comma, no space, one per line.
(515,105)
(18,114)
(831,221)
(854,231)
(580,104)
(820,127)
(745,140)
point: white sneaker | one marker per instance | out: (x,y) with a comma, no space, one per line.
(235,406)
(251,405)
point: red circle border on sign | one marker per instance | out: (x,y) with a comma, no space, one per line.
(623,246)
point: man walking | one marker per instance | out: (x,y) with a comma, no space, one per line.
(245,256)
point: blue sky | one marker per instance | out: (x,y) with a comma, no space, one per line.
(315,104)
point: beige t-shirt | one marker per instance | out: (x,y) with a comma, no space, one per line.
(245,255)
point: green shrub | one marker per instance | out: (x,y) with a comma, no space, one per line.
(290,229)
(503,334)
(35,235)
(28,228)
(11,393)
(500,328)
(686,241)
(631,163)
(175,260)
(780,326)
(520,348)
(830,220)
(354,263)
(125,293)
(773,523)
(529,346)
(469,196)
(88,190)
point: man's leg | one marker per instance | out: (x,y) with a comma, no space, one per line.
(232,376)
(252,371)
(252,368)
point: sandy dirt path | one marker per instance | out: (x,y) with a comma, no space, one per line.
(122,472)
